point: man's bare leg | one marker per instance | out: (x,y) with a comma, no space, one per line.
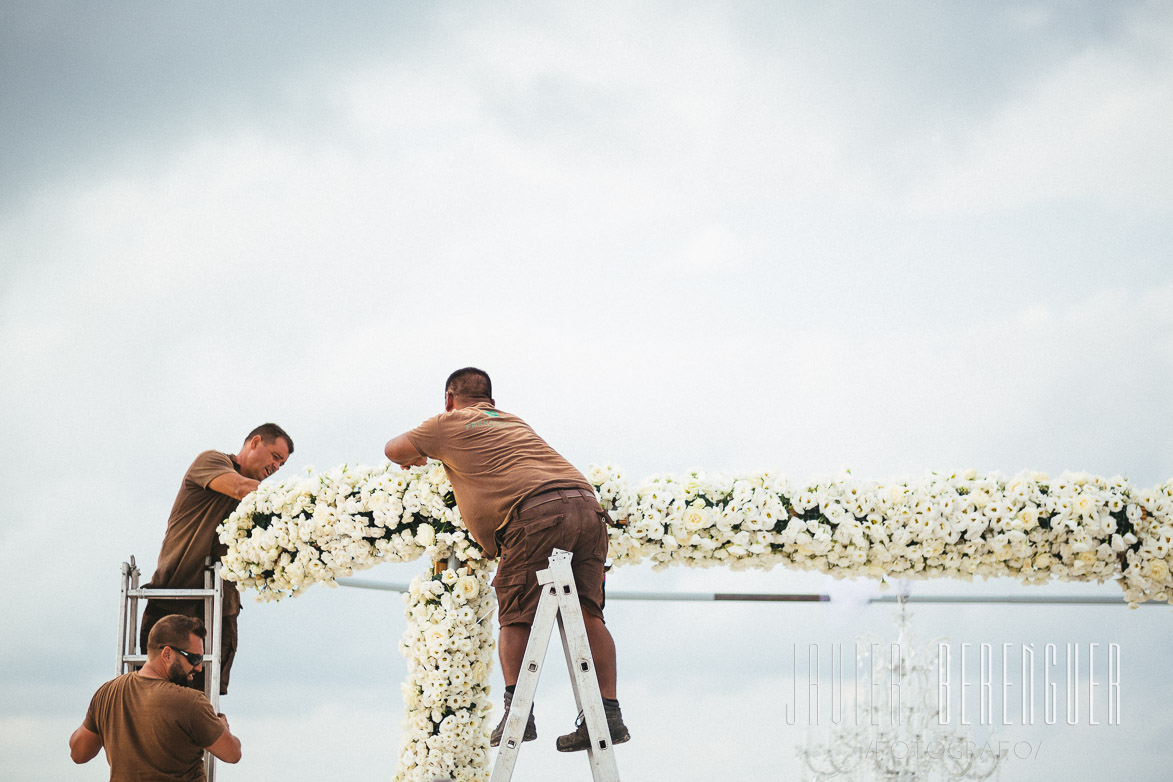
(603,650)
(514,639)
(511,649)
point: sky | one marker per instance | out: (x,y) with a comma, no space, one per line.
(742,236)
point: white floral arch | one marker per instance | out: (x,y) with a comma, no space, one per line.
(287,536)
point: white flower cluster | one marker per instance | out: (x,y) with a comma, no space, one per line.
(285,536)
(1077,527)
(449,649)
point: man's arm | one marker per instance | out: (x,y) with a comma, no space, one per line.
(84,745)
(227,747)
(401,451)
(234,485)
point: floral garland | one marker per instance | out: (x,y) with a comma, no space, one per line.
(286,536)
(449,650)
(1077,527)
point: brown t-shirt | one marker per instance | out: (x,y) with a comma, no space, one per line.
(153,729)
(191,529)
(494,460)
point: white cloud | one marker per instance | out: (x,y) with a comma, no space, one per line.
(1092,129)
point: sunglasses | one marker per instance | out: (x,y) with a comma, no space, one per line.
(192,658)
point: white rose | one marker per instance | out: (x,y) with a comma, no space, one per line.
(1156,570)
(696,517)
(466,588)
(1085,506)
(425,535)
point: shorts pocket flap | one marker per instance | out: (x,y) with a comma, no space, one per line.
(509,579)
(541,524)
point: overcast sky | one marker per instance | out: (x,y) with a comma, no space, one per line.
(801,237)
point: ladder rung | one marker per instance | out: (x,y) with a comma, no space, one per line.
(170,594)
(140,659)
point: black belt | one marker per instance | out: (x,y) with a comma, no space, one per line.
(553,495)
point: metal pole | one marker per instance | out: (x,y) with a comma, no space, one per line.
(750,597)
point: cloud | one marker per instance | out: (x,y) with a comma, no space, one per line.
(1091,129)
(89,92)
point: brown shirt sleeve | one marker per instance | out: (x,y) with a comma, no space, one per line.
(202,723)
(208,466)
(90,723)
(426,438)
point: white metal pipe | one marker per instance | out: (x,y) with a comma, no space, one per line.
(752,597)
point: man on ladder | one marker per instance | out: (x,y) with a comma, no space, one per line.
(211,489)
(519,498)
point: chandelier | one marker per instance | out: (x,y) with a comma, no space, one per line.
(896,735)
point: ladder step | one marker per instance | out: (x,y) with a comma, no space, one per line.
(141,659)
(170,594)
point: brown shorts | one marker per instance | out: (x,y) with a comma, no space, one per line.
(569,519)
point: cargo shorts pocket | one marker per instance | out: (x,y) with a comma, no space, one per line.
(512,537)
(514,599)
(540,538)
(504,581)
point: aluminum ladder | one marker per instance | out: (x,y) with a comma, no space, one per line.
(212,594)
(559,601)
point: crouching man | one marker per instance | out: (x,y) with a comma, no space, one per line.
(152,725)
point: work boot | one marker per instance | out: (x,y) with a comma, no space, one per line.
(580,739)
(531,730)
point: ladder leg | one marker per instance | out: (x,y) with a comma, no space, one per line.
(132,619)
(214,621)
(122,629)
(583,678)
(527,685)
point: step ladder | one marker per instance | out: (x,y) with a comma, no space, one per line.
(559,601)
(212,594)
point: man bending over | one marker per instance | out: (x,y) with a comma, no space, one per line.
(211,489)
(520,498)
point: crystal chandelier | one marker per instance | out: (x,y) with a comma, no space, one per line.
(896,736)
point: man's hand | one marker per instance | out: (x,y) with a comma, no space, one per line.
(84,745)
(234,485)
(401,451)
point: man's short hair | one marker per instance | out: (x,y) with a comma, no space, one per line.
(269,433)
(174,630)
(470,383)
